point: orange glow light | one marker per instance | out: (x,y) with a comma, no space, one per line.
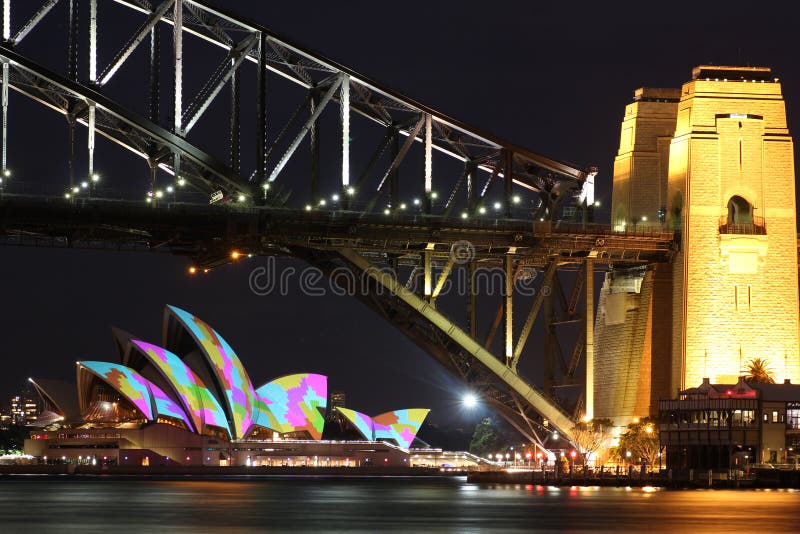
(235,254)
(192,270)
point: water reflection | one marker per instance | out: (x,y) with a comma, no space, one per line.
(312,504)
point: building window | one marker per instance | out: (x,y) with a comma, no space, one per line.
(774,416)
(793,418)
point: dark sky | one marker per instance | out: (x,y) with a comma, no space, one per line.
(553,77)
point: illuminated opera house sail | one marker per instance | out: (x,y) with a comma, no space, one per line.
(193,391)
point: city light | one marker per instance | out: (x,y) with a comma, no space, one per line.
(335,197)
(95,177)
(266,186)
(351,191)
(497,205)
(170,189)
(159,193)
(387,211)
(6,172)
(470,400)
(84,185)
(308,207)
(322,202)
(403,206)
(235,255)
(515,199)
(596,203)
(181,182)
(481,210)
(434,194)
(192,270)
(241,197)
(464,215)
(416,202)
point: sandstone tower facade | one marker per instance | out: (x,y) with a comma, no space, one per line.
(712,161)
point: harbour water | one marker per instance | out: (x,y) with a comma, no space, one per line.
(377,504)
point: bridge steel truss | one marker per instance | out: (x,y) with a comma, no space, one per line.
(354,236)
(165,139)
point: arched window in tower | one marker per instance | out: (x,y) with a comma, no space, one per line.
(740,211)
(741,219)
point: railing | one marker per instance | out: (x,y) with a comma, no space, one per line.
(756,227)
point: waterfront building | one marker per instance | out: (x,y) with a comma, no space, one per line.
(190,401)
(731,426)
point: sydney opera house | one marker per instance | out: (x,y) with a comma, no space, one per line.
(190,401)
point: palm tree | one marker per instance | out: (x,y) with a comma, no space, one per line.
(758,371)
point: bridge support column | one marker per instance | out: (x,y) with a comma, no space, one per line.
(155,68)
(235,134)
(261,109)
(508,174)
(344,110)
(5,171)
(588,318)
(472,317)
(428,161)
(428,287)
(6,36)
(313,137)
(509,296)
(177,44)
(90,146)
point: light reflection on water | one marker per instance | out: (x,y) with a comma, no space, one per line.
(313,504)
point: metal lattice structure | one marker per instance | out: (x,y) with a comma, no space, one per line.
(265,205)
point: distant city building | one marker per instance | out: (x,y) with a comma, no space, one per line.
(337,400)
(24,408)
(191,402)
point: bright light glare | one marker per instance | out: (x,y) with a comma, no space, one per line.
(470,400)
(515,199)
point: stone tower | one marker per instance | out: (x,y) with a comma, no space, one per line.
(731,199)
(712,161)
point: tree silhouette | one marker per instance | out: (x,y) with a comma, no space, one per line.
(758,371)
(591,435)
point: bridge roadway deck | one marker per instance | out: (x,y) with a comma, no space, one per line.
(209,232)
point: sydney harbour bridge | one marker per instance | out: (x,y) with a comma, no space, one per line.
(248,144)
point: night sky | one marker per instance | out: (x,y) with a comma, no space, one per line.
(549,76)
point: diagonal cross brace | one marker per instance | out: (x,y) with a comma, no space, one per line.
(403,151)
(134,42)
(537,304)
(305,129)
(235,57)
(34,20)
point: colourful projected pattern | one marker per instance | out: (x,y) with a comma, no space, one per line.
(399,425)
(168,407)
(127,382)
(361,421)
(291,403)
(195,397)
(228,368)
